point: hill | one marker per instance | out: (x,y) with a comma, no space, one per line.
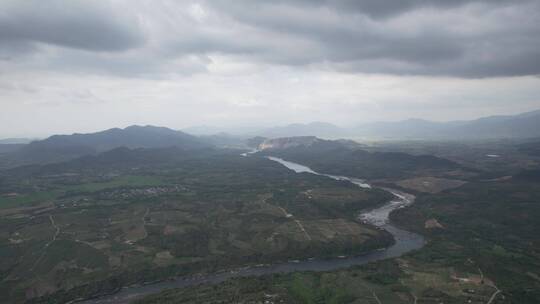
(344,158)
(320,129)
(64,147)
(525,125)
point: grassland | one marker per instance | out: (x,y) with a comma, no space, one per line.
(14,199)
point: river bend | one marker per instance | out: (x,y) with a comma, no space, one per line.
(405,242)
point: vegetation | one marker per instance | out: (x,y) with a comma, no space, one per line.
(483,246)
(60,148)
(334,157)
(92,225)
(491,225)
(95,224)
(393,281)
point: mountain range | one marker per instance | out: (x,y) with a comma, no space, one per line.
(15,141)
(65,147)
(525,125)
(320,129)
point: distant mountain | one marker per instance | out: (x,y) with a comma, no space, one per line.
(254,142)
(410,128)
(63,147)
(237,130)
(203,130)
(12,141)
(525,125)
(224,140)
(8,148)
(288,142)
(319,129)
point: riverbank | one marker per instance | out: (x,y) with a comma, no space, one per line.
(405,241)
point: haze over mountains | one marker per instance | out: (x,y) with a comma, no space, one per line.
(14,141)
(525,125)
(65,147)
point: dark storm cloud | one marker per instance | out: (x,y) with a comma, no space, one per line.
(471,39)
(386,8)
(461,38)
(87,25)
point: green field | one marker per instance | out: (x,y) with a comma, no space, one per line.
(396,281)
(23,199)
(121,221)
(117,223)
(483,244)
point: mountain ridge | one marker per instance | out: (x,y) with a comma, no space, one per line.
(523,125)
(65,147)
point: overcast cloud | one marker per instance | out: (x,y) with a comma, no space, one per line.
(68,66)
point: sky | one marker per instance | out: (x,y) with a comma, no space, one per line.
(82,66)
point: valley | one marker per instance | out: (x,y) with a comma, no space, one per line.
(145,223)
(269,152)
(117,223)
(428,275)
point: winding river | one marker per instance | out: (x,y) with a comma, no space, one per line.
(405,241)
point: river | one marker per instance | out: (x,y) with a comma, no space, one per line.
(405,241)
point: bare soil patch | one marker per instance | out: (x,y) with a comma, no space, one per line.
(430,184)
